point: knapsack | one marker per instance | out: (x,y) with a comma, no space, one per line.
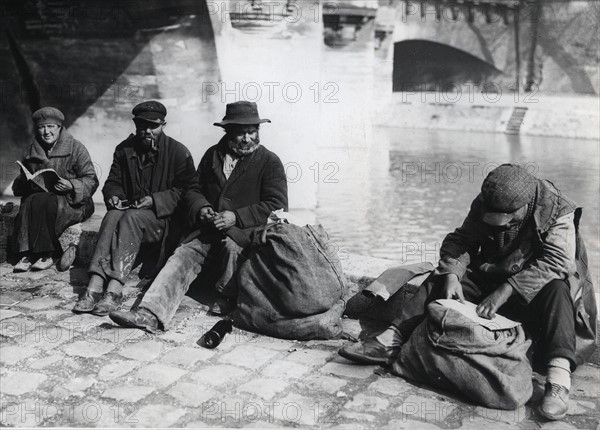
(451,352)
(292,285)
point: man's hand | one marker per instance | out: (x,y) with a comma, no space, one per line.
(206,214)
(452,288)
(490,305)
(224,220)
(144,203)
(63,185)
(113,202)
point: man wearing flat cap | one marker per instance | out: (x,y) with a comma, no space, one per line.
(518,253)
(240,183)
(149,174)
(48,208)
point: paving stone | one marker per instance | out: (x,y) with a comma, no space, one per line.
(189,394)
(48,336)
(585,387)
(10,355)
(348,369)
(8,313)
(86,349)
(408,424)
(197,425)
(127,393)
(390,386)
(147,350)
(219,375)
(159,374)
(301,410)
(80,383)
(116,369)
(53,315)
(248,356)
(157,416)
(368,403)
(427,409)
(580,407)
(186,356)
(356,416)
(40,303)
(324,383)
(264,388)
(18,327)
(494,416)
(100,414)
(268,342)
(282,369)
(120,335)
(587,371)
(17,383)
(27,413)
(311,357)
(41,363)
(11,298)
(557,425)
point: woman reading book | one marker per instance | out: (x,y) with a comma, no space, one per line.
(55,200)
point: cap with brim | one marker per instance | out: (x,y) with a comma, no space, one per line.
(241,113)
(48,115)
(150,111)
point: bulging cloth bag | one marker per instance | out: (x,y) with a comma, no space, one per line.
(292,285)
(451,352)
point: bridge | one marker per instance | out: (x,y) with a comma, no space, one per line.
(314,67)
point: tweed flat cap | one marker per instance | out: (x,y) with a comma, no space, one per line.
(48,115)
(505,190)
(150,111)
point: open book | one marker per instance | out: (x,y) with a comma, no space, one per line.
(45,178)
(468,309)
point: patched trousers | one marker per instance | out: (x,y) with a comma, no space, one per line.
(120,238)
(168,288)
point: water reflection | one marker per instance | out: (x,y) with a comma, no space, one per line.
(399,198)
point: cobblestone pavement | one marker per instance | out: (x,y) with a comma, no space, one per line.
(59,369)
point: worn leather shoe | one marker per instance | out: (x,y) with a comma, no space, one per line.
(371,351)
(43,263)
(222,306)
(67,259)
(109,303)
(87,301)
(136,318)
(555,403)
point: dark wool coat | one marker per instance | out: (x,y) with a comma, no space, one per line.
(257,186)
(539,258)
(174,171)
(71,160)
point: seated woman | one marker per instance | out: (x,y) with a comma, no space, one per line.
(46,213)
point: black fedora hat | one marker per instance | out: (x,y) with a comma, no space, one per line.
(242,112)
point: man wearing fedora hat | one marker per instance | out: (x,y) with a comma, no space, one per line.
(149,174)
(239,183)
(518,253)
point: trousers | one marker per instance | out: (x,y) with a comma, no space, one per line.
(121,235)
(167,290)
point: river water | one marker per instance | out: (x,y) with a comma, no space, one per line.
(398,199)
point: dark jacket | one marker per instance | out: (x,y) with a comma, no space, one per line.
(71,160)
(256,187)
(539,258)
(173,173)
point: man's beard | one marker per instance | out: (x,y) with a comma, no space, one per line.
(146,144)
(241,149)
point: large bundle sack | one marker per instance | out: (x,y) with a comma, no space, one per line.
(451,352)
(292,285)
